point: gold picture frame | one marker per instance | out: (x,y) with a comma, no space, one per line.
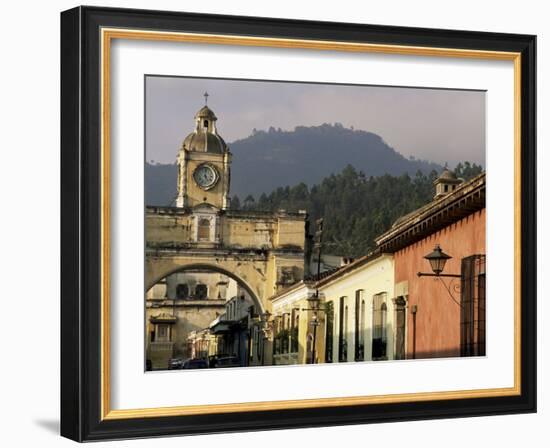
(108,26)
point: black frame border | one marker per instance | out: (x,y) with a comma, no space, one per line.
(81,224)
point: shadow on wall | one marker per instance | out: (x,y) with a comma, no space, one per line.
(450,353)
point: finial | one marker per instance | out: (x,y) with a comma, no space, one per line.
(206,98)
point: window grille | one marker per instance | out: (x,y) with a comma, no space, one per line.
(342,336)
(472,300)
(359,326)
(329,312)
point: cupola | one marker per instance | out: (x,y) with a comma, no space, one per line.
(446,183)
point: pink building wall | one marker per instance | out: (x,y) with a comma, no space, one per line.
(438,316)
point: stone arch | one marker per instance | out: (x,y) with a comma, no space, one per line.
(209,267)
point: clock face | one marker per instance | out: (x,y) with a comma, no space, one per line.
(206,176)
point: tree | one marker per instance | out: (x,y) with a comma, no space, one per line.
(235,203)
(356,209)
(467,170)
(249,202)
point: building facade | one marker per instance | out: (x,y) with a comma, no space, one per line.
(262,251)
(379,307)
(356,319)
(231,330)
(445,314)
(181,305)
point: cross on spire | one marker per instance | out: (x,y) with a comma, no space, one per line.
(206,98)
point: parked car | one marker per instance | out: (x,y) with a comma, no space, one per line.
(229,361)
(213,359)
(175,363)
(195,364)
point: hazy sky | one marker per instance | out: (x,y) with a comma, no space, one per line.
(437,125)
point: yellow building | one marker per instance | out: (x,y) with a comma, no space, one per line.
(262,251)
(357,318)
(290,325)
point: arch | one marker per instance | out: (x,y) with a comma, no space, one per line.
(209,267)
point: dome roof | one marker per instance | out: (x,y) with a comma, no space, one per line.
(206,112)
(205,142)
(447,175)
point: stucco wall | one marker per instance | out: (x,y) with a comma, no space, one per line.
(263,250)
(438,316)
(374,277)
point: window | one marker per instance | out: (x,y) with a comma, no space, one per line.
(379,327)
(205,123)
(294,331)
(329,313)
(342,331)
(201,291)
(182,291)
(162,333)
(359,325)
(204,230)
(472,314)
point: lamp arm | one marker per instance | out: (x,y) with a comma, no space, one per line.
(425,274)
(449,291)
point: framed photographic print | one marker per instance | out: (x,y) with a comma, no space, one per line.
(276,224)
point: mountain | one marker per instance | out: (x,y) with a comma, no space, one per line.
(160,183)
(270,159)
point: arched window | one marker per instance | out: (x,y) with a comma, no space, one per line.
(182,291)
(204,229)
(205,123)
(201,291)
(379,327)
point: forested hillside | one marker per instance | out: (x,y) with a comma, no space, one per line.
(355,208)
(269,159)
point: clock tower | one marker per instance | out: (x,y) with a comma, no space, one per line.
(204,165)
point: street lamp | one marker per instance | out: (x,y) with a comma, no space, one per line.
(265,318)
(265,323)
(437,260)
(314,301)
